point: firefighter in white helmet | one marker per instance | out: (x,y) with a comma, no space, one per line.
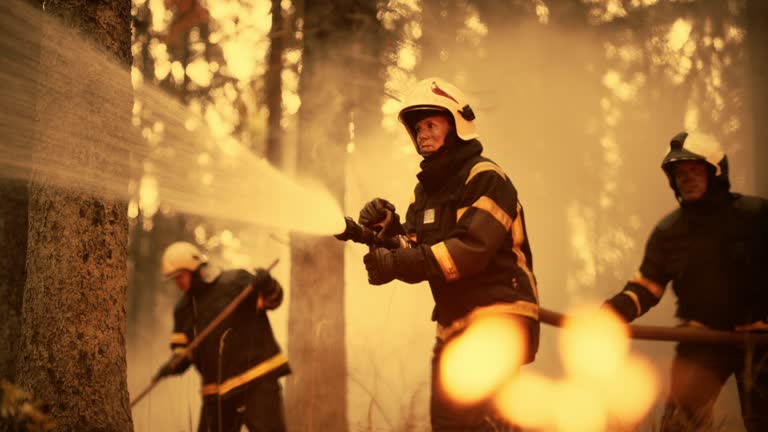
(239,361)
(713,248)
(464,233)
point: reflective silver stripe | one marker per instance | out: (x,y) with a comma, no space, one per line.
(654,288)
(484,166)
(446,262)
(636,300)
(251,374)
(498,213)
(179,339)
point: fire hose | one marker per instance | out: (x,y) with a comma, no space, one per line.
(674,334)
(361,234)
(177,359)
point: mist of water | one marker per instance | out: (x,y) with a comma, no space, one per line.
(170,155)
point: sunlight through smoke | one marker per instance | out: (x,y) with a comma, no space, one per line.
(679,33)
(481,359)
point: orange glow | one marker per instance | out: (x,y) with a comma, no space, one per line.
(639,385)
(594,344)
(577,409)
(478,361)
(527,400)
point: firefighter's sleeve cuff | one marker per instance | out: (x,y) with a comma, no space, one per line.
(624,306)
(414,265)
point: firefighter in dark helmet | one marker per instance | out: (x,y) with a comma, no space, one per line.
(239,361)
(464,233)
(713,249)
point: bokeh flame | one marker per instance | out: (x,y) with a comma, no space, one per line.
(594,343)
(527,400)
(577,408)
(477,362)
(631,394)
(604,382)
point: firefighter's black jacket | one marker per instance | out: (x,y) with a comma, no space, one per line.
(715,253)
(242,348)
(466,217)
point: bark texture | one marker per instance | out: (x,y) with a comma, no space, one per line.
(72,351)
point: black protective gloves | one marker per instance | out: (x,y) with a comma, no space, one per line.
(268,290)
(380,264)
(262,281)
(375,211)
(406,264)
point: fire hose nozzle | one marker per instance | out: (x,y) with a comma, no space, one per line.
(355,232)
(364,235)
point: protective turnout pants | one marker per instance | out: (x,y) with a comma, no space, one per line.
(699,372)
(448,416)
(259,408)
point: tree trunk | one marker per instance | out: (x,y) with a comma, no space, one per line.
(273,88)
(13,237)
(72,351)
(17,111)
(757,39)
(316,346)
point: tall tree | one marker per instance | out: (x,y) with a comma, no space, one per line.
(13,207)
(72,349)
(757,37)
(317,389)
(273,88)
(13,237)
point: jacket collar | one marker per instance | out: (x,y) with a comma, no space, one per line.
(436,169)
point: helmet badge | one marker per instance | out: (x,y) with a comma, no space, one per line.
(440,92)
(466,111)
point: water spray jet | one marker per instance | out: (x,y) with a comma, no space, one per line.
(167,150)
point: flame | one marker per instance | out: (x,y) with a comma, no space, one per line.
(594,344)
(527,400)
(595,350)
(481,359)
(631,400)
(576,408)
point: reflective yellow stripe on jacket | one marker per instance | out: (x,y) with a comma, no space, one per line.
(251,374)
(520,307)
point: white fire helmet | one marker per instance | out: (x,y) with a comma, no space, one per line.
(181,256)
(697,146)
(431,96)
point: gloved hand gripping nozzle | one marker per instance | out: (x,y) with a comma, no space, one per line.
(360,234)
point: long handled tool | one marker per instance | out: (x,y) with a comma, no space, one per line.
(200,336)
(678,334)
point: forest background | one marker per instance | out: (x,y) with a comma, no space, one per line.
(250,127)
